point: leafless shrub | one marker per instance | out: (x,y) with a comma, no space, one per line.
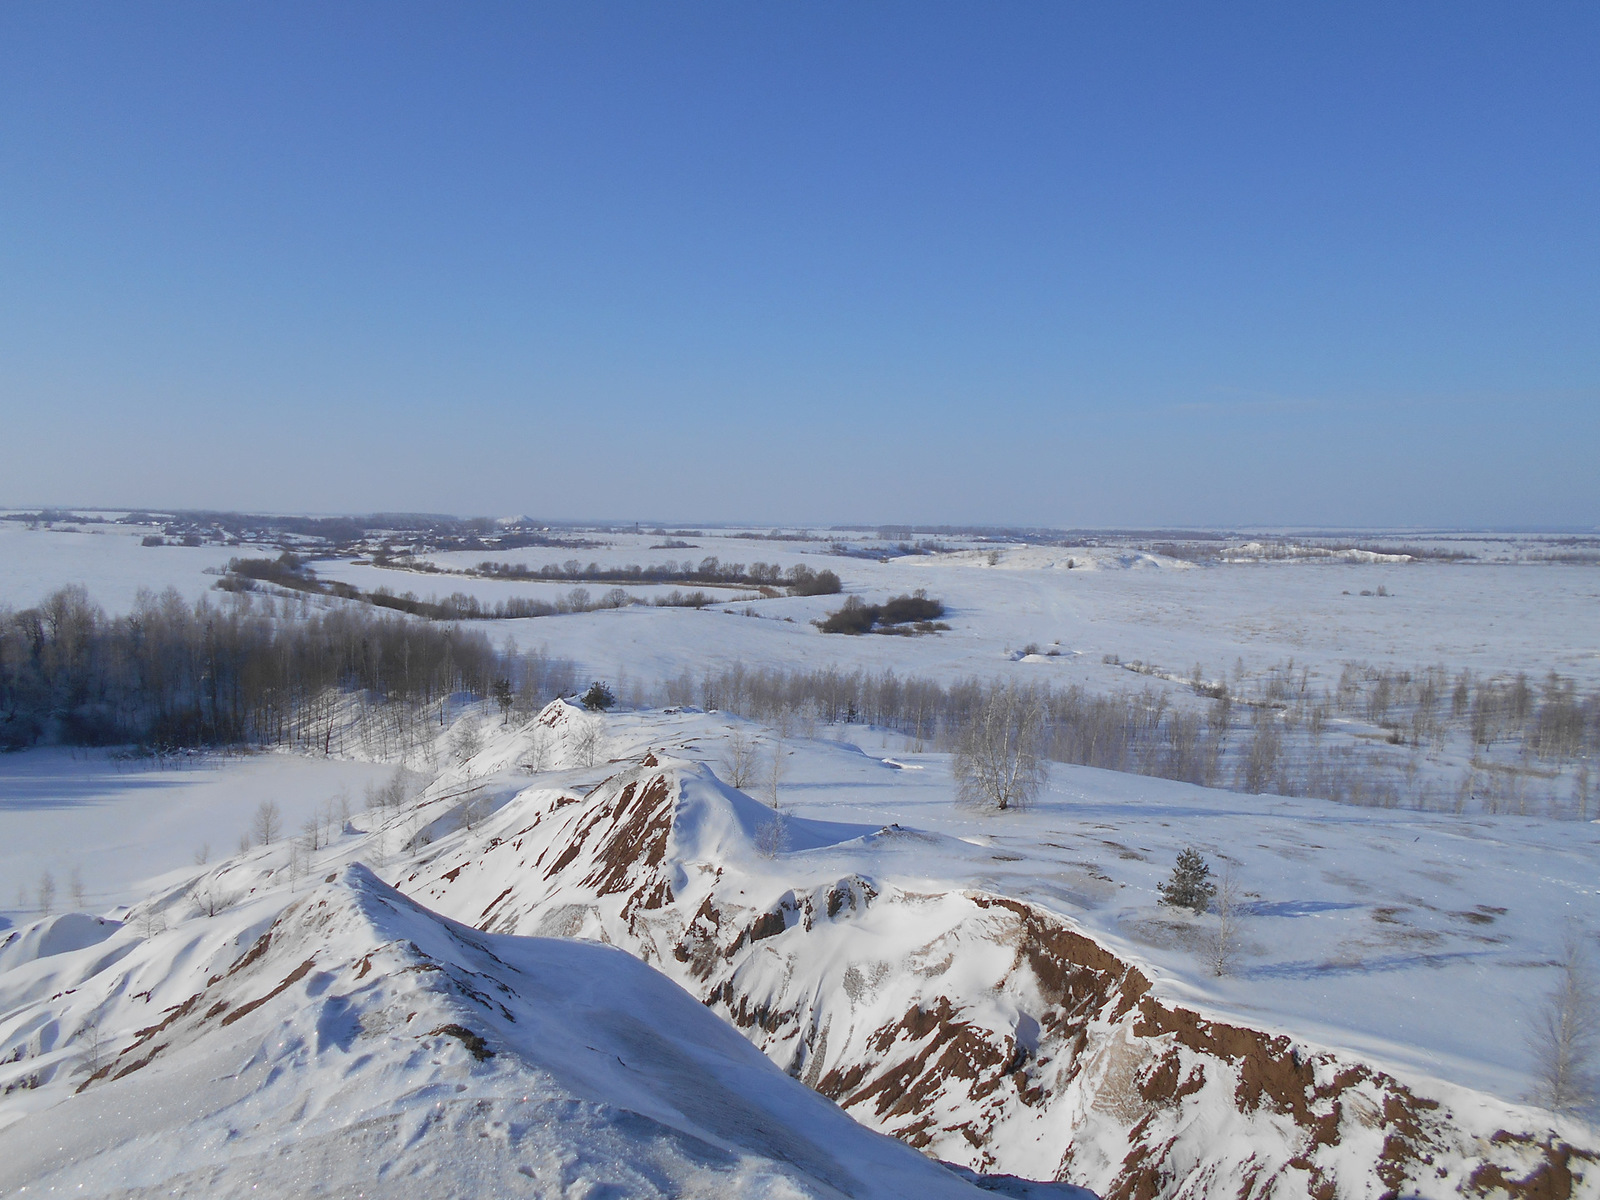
(467,740)
(538,756)
(150,922)
(392,793)
(210,897)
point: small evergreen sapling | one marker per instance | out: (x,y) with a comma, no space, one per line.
(1190,885)
(598,698)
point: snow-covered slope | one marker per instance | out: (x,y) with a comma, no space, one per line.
(364,1045)
(978,1027)
(269,1024)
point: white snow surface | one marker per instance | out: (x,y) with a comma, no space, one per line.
(368,1046)
(1363,939)
(1421,944)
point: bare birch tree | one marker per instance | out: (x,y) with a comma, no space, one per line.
(268,822)
(586,743)
(998,760)
(1565,1038)
(739,758)
(1224,942)
(776,769)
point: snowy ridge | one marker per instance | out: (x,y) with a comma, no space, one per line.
(982,1029)
(362,1042)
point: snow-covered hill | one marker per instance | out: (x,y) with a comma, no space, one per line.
(268,1024)
(364,1045)
(976,1026)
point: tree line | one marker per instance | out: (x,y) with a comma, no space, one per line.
(291,572)
(1526,747)
(798,580)
(248,670)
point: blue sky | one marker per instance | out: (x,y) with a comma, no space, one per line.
(1063,264)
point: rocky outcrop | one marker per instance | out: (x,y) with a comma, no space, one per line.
(979,1028)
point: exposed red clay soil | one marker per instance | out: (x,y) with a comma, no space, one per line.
(1330,1125)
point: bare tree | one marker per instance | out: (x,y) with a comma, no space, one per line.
(151,923)
(586,743)
(998,761)
(47,894)
(75,883)
(1565,1038)
(776,769)
(739,758)
(299,859)
(467,740)
(268,822)
(202,855)
(392,794)
(1222,948)
(772,838)
(538,756)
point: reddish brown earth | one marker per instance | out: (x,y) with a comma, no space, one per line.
(999,1036)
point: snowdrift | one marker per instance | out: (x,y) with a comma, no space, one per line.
(979,1028)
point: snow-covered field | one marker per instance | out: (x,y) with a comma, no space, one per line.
(1490,616)
(1418,944)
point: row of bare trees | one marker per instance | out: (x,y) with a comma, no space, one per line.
(1271,733)
(171,673)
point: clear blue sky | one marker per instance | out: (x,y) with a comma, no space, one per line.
(1046,263)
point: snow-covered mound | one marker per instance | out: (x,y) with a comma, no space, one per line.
(364,1045)
(53,935)
(977,1027)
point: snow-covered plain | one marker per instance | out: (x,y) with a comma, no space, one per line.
(110,824)
(1420,944)
(1491,616)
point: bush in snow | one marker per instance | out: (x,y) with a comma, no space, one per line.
(598,698)
(1190,885)
(857,616)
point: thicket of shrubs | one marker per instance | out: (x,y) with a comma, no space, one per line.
(917,611)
